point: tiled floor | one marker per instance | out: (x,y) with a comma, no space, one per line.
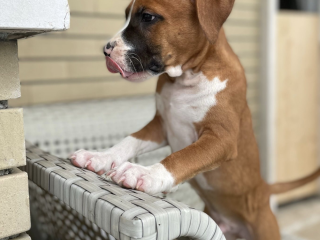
(300,220)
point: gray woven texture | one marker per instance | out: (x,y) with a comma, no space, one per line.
(125,214)
(52,219)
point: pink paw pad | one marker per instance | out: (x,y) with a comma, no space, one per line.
(98,162)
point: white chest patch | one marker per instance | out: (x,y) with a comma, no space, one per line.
(185,102)
(174,71)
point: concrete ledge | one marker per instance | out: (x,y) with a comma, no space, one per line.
(23,236)
(14,202)
(12,143)
(23,18)
(9,70)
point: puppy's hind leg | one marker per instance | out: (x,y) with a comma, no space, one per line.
(228,235)
(264,226)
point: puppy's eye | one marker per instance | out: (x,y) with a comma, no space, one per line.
(146,17)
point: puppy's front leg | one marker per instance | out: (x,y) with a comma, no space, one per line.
(149,138)
(204,155)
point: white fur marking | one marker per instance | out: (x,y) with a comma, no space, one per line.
(118,54)
(118,154)
(185,102)
(128,19)
(174,71)
(153,179)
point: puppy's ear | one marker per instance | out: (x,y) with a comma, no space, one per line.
(212,14)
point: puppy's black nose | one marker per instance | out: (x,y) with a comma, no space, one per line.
(109,45)
(108,48)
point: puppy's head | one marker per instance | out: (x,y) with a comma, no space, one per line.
(163,35)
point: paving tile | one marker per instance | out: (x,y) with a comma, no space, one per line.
(310,232)
(300,220)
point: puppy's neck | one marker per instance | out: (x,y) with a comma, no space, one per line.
(208,54)
(206,63)
(189,78)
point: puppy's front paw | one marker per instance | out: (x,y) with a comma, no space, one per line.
(99,162)
(152,180)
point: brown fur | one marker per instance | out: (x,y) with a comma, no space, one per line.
(226,151)
(153,131)
(212,14)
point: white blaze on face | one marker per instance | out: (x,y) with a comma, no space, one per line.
(128,19)
(185,102)
(118,54)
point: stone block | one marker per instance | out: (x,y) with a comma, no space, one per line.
(14,202)
(23,18)
(9,71)
(23,236)
(12,142)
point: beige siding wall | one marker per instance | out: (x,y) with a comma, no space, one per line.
(297,121)
(70,65)
(243,32)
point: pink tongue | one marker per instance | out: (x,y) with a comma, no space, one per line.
(114,67)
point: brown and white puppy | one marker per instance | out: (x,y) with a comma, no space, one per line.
(202,113)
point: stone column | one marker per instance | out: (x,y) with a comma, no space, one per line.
(19,19)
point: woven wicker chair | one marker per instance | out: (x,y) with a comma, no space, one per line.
(63,128)
(70,198)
